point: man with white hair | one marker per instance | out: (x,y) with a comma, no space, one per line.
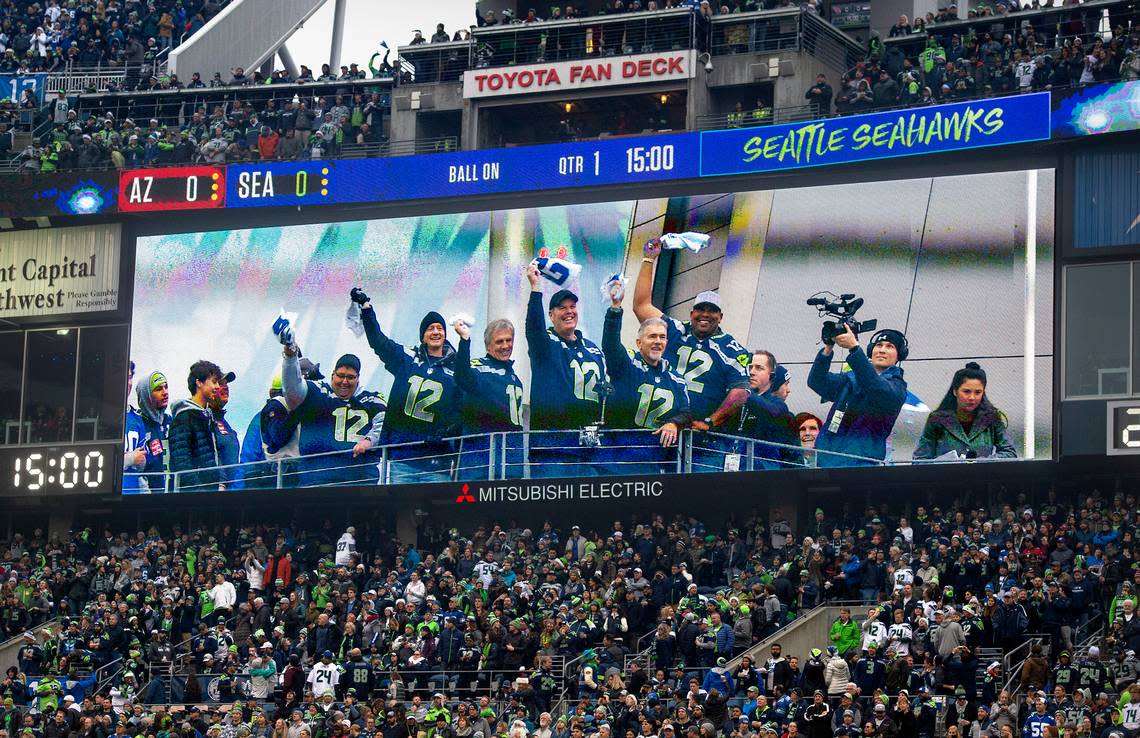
(647,392)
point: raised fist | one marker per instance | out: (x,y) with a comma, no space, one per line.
(284,331)
(357,295)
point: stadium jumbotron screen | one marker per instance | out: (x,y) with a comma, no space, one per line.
(331,354)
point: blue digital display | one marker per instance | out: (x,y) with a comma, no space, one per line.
(678,156)
(930,130)
(552,167)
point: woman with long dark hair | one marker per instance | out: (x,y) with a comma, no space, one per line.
(966,421)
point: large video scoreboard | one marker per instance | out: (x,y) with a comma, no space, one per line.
(959,270)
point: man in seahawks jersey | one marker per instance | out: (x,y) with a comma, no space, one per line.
(713,364)
(334,416)
(492,400)
(647,394)
(424,400)
(566,369)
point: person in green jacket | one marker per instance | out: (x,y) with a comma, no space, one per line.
(966,422)
(845,634)
(48,692)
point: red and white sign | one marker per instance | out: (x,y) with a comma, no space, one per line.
(580,74)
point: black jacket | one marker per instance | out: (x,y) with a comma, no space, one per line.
(192,446)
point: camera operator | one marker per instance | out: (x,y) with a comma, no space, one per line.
(866,400)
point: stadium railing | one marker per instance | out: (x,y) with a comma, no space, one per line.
(672,29)
(507,457)
(1047,21)
(783,29)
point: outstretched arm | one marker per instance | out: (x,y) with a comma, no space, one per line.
(643,306)
(295,386)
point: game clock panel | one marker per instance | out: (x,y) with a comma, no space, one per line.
(78,469)
(1123,428)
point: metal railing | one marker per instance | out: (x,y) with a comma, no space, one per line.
(1048,23)
(602,36)
(783,29)
(624,34)
(506,457)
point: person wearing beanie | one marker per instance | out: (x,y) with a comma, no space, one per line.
(966,422)
(424,402)
(332,416)
(866,401)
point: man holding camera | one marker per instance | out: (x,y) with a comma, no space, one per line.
(865,401)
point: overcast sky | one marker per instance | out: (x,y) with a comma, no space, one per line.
(368,22)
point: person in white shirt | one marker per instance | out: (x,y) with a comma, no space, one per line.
(324,676)
(346,547)
(873,630)
(900,635)
(254,572)
(224,596)
(415,592)
(487,569)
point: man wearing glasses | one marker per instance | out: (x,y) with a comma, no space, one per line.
(333,416)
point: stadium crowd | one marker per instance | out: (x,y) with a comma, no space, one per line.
(53,35)
(984,63)
(271,630)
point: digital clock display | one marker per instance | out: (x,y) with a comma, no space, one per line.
(60,469)
(1123,428)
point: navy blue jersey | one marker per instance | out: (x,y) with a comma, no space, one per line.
(151,436)
(644,396)
(329,423)
(766,417)
(492,392)
(564,374)
(711,366)
(425,401)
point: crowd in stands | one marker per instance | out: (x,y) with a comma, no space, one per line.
(53,35)
(1010,57)
(286,632)
(215,128)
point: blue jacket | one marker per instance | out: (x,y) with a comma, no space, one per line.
(869,402)
(720,680)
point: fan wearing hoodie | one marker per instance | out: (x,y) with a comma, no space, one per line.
(424,402)
(192,446)
(147,428)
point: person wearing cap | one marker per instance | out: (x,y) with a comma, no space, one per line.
(765,415)
(225,439)
(711,361)
(424,401)
(966,423)
(566,371)
(193,447)
(272,433)
(866,401)
(332,416)
(147,430)
(647,392)
(492,396)
(1094,674)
